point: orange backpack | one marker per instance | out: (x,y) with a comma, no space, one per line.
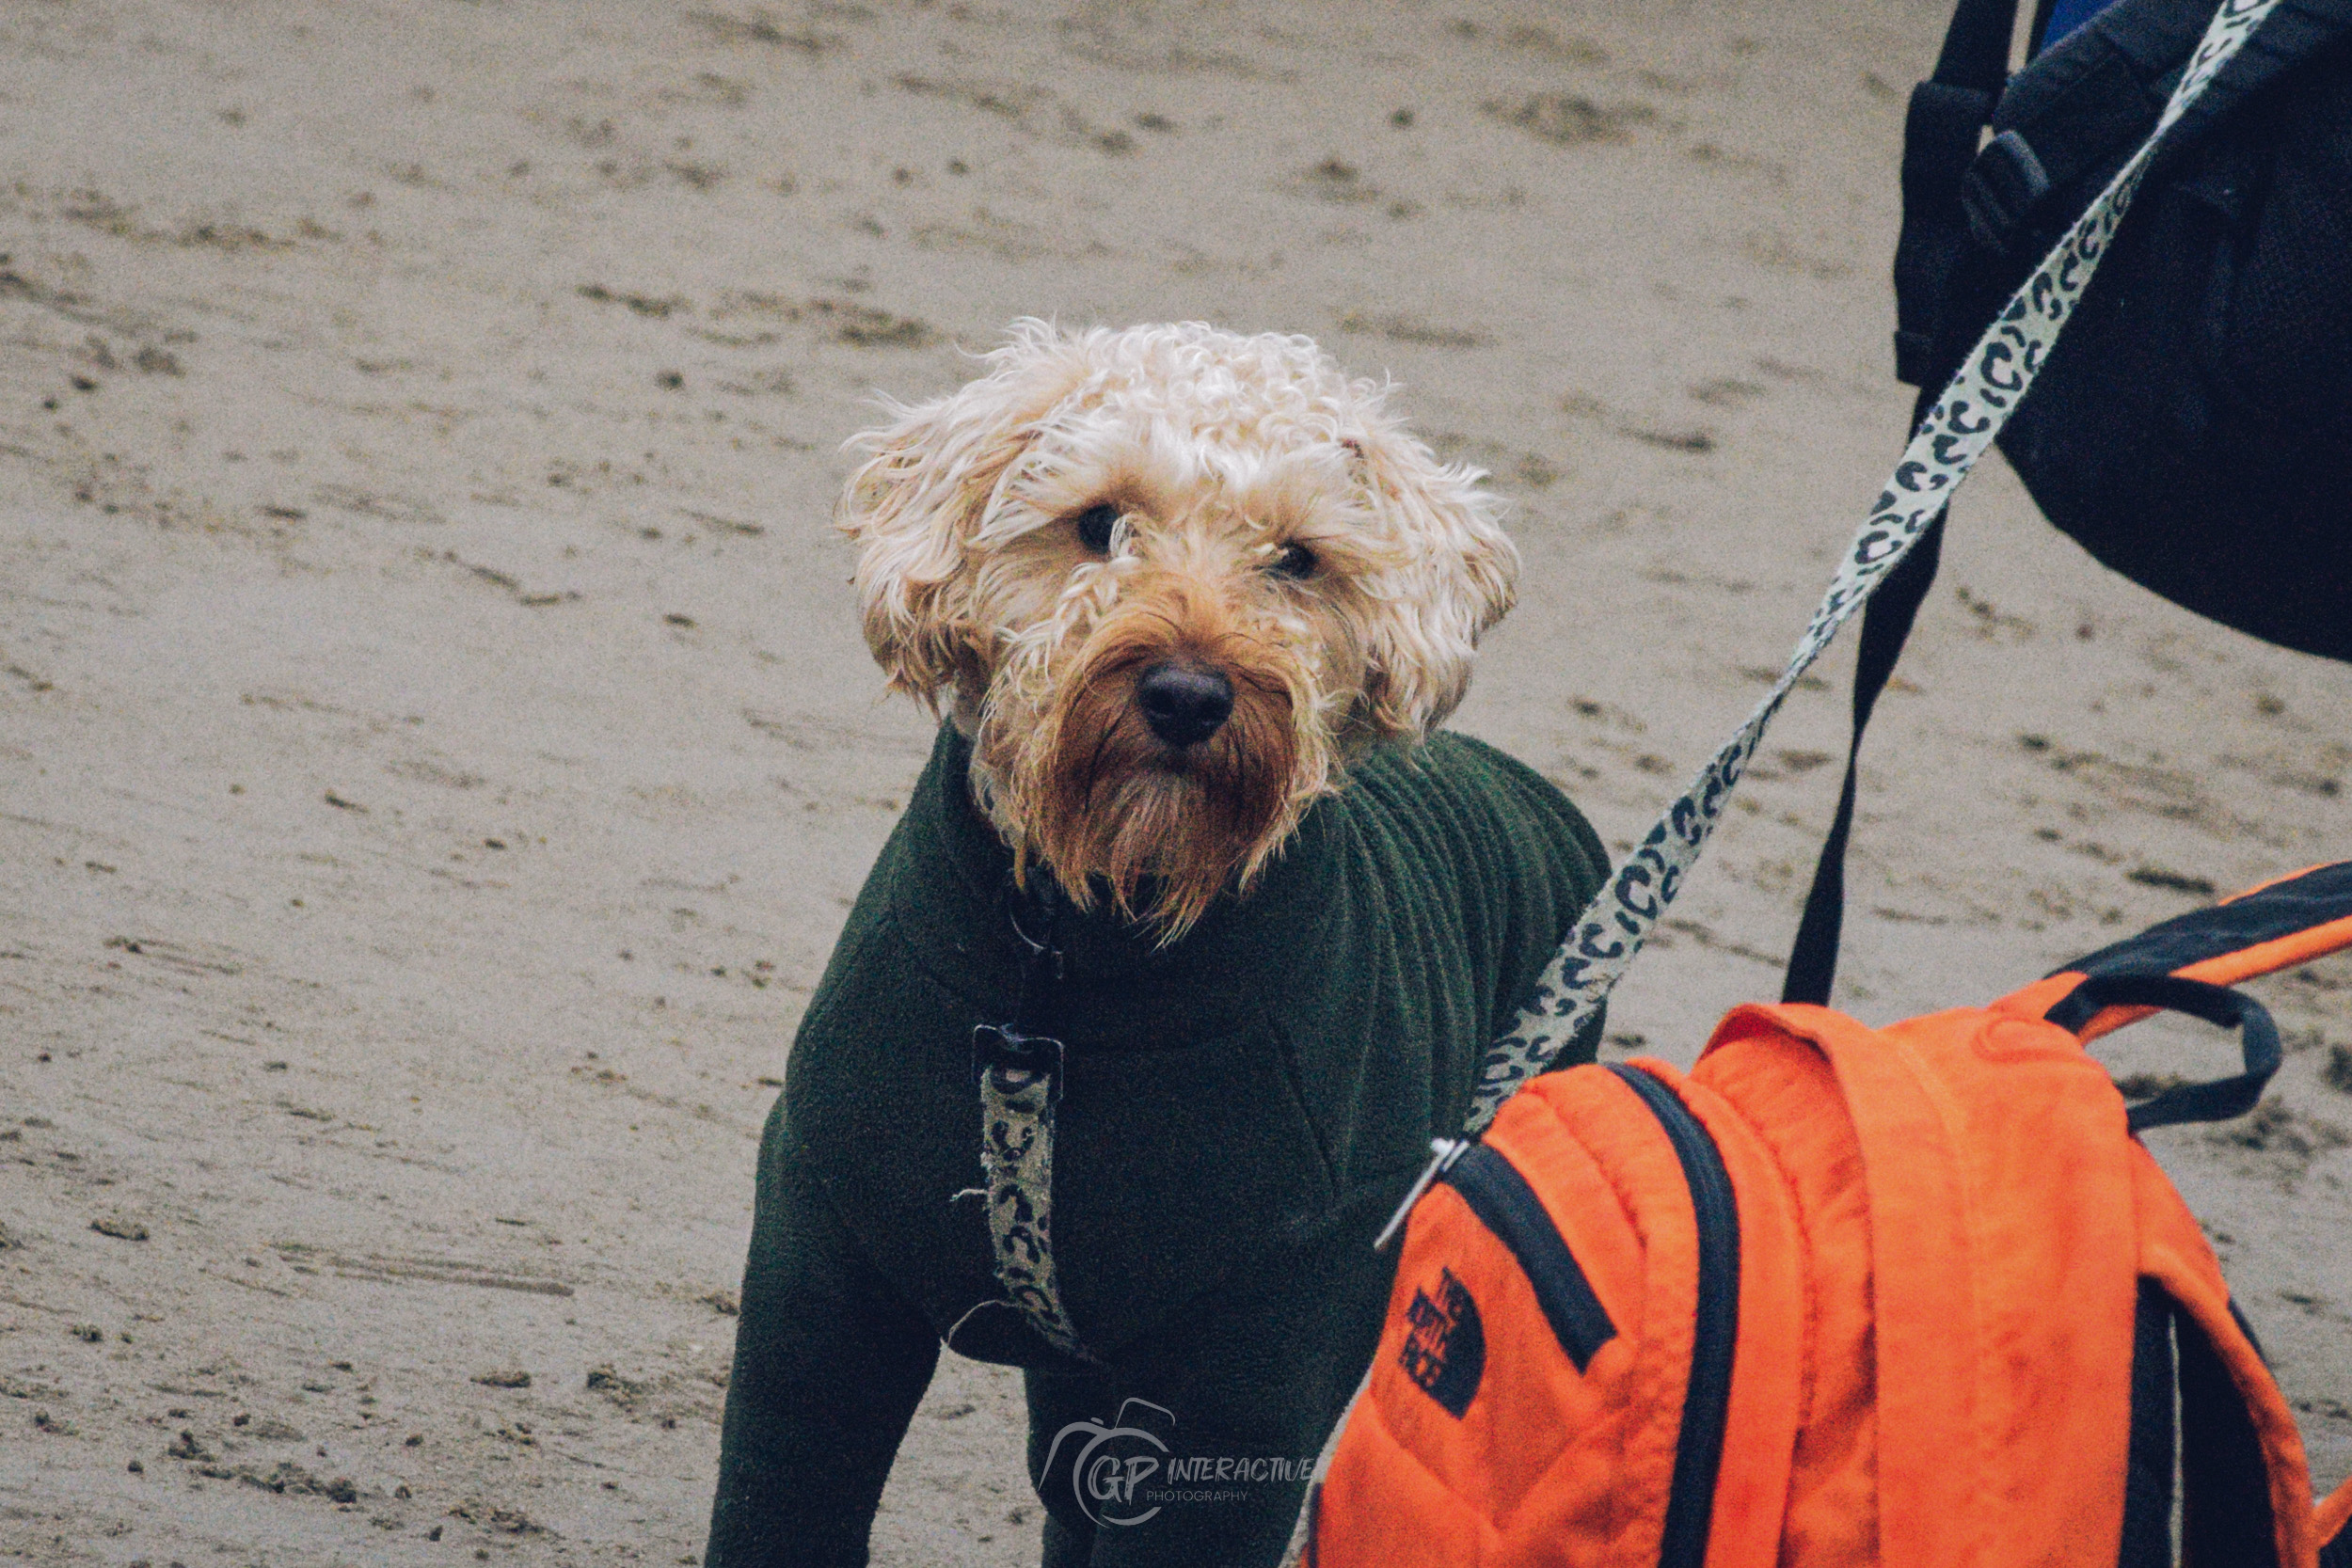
(1913,1295)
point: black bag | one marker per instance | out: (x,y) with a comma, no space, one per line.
(2192,428)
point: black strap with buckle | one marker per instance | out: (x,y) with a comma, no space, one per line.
(996,1046)
(1019,1044)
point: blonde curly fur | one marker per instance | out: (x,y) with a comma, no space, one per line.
(1219,453)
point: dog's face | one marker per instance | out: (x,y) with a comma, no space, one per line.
(1170,579)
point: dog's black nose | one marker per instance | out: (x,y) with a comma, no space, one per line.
(1184,702)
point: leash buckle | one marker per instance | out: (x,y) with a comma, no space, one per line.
(1003,1047)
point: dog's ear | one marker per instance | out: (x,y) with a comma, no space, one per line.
(913,505)
(1458,577)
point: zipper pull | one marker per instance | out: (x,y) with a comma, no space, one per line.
(1443,1153)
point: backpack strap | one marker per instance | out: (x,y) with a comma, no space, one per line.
(2217,1101)
(2334,1529)
(1948,112)
(2244,1483)
(2151,1456)
(2084,104)
(2226,1507)
(1931,1341)
(2303,28)
(2293,920)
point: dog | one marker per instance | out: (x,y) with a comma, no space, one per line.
(1191,938)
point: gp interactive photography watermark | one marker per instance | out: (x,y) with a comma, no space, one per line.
(1125,1473)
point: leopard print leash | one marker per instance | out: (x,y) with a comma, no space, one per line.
(1572,989)
(1019,1073)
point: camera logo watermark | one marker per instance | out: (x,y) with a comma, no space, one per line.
(1106,1482)
(1123,1474)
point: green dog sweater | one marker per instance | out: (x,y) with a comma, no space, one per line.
(1240,1111)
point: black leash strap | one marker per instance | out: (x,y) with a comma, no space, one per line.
(1885,625)
(1946,120)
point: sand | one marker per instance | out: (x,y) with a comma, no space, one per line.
(436,752)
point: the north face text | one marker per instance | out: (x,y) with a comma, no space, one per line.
(1445,1347)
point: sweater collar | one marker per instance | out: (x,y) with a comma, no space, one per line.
(950,898)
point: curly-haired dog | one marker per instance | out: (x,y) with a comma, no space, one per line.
(1191,938)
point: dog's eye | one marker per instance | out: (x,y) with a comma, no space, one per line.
(1094,527)
(1296,561)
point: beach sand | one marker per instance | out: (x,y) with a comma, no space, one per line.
(437,750)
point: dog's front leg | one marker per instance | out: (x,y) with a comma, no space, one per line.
(829,1364)
(1191,1448)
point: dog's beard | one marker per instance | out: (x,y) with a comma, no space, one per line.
(1081,782)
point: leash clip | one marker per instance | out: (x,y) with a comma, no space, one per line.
(1001,1048)
(1443,1152)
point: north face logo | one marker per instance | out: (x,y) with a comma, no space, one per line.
(1445,1347)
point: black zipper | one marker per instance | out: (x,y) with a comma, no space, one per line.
(1506,1205)
(1699,1447)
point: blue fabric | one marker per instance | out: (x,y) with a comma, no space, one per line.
(2067,15)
